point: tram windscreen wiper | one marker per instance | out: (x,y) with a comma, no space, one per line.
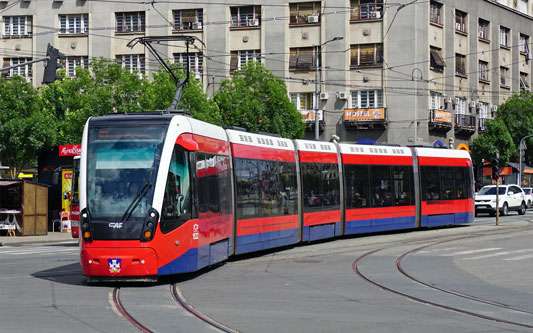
(135,202)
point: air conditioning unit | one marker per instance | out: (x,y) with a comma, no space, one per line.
(473,104)
(480,34)
(312,19)
(324,95)
(375,15)
(529,56)
(253,22)
(494,108)
(342,95)
(197,25)
(447,99)
(458,26)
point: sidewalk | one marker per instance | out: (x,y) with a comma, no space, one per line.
(49,238)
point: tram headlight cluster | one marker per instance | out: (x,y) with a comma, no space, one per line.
(149,225)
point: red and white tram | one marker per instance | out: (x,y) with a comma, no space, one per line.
(165,194)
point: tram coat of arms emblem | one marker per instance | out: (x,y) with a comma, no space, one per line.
(114,265)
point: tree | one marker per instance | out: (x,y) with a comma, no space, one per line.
(517,115)
(496,140)
(24,128)
(258,101)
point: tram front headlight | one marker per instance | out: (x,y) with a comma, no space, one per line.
(150,223)
(85,223)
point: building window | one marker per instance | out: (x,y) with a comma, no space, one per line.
(504,37)
(524,81)
(366,55)
(245,16)
(483,110)
(504,79)
(460,21)
(74,24)
(17,26)
(241,58)
(524,44)
(367,99)
(366,9)
(483,29)
(194,61)
(302,59)
(483,71)
(460,64)
(435,100)
(435,12)
(24,71)
(133,62)
(460,105)
(130,22)
(71,63)
(436,61)
(303,101)
(188,19)
(304,12)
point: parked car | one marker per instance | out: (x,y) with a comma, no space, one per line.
(528,191)
(510,197)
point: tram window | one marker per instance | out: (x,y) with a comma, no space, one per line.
(247,186)
(330,186)
(357,186)
(320,186)
(289,190)
(176,201)
(430,183)
(381,186)
(223,171)
(402,178)
(448,183)
(270,189)
(461,183)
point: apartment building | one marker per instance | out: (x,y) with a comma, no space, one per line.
(408,72)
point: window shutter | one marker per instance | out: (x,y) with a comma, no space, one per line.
(234,63)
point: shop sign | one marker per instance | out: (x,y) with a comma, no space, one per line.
(308,116)
(443,116)
(70,150)
(364,114)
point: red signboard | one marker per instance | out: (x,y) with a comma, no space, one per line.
(70,150)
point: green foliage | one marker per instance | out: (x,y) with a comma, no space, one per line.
(24,128)
(258,101)
(496,140)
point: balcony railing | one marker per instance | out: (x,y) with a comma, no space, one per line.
(440,120)
(465,124)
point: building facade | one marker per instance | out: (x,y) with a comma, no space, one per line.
(427,72)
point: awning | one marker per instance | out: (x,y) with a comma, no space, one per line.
(437,58)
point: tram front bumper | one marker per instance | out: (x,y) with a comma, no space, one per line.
(118,262)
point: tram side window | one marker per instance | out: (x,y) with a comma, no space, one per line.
(247,187)
(331,186)
(213,184)
(312,188)
(270,189)
(402,177)
(461,182)
(289,189)
(357,186)
(176,201)
(448,183)
(381,186)
(223,171)
(430,183)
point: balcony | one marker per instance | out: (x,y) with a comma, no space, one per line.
(465,124)
(440,120)
(481,124)
(365,118)
(308,117)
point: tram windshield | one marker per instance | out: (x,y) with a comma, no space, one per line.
(122,165)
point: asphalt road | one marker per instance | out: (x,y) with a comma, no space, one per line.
(474,278)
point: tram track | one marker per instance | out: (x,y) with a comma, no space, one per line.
(123,312)
(426,300)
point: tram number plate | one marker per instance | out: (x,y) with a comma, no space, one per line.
(195,231)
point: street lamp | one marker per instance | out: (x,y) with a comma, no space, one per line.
(521,148)
(317,93)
